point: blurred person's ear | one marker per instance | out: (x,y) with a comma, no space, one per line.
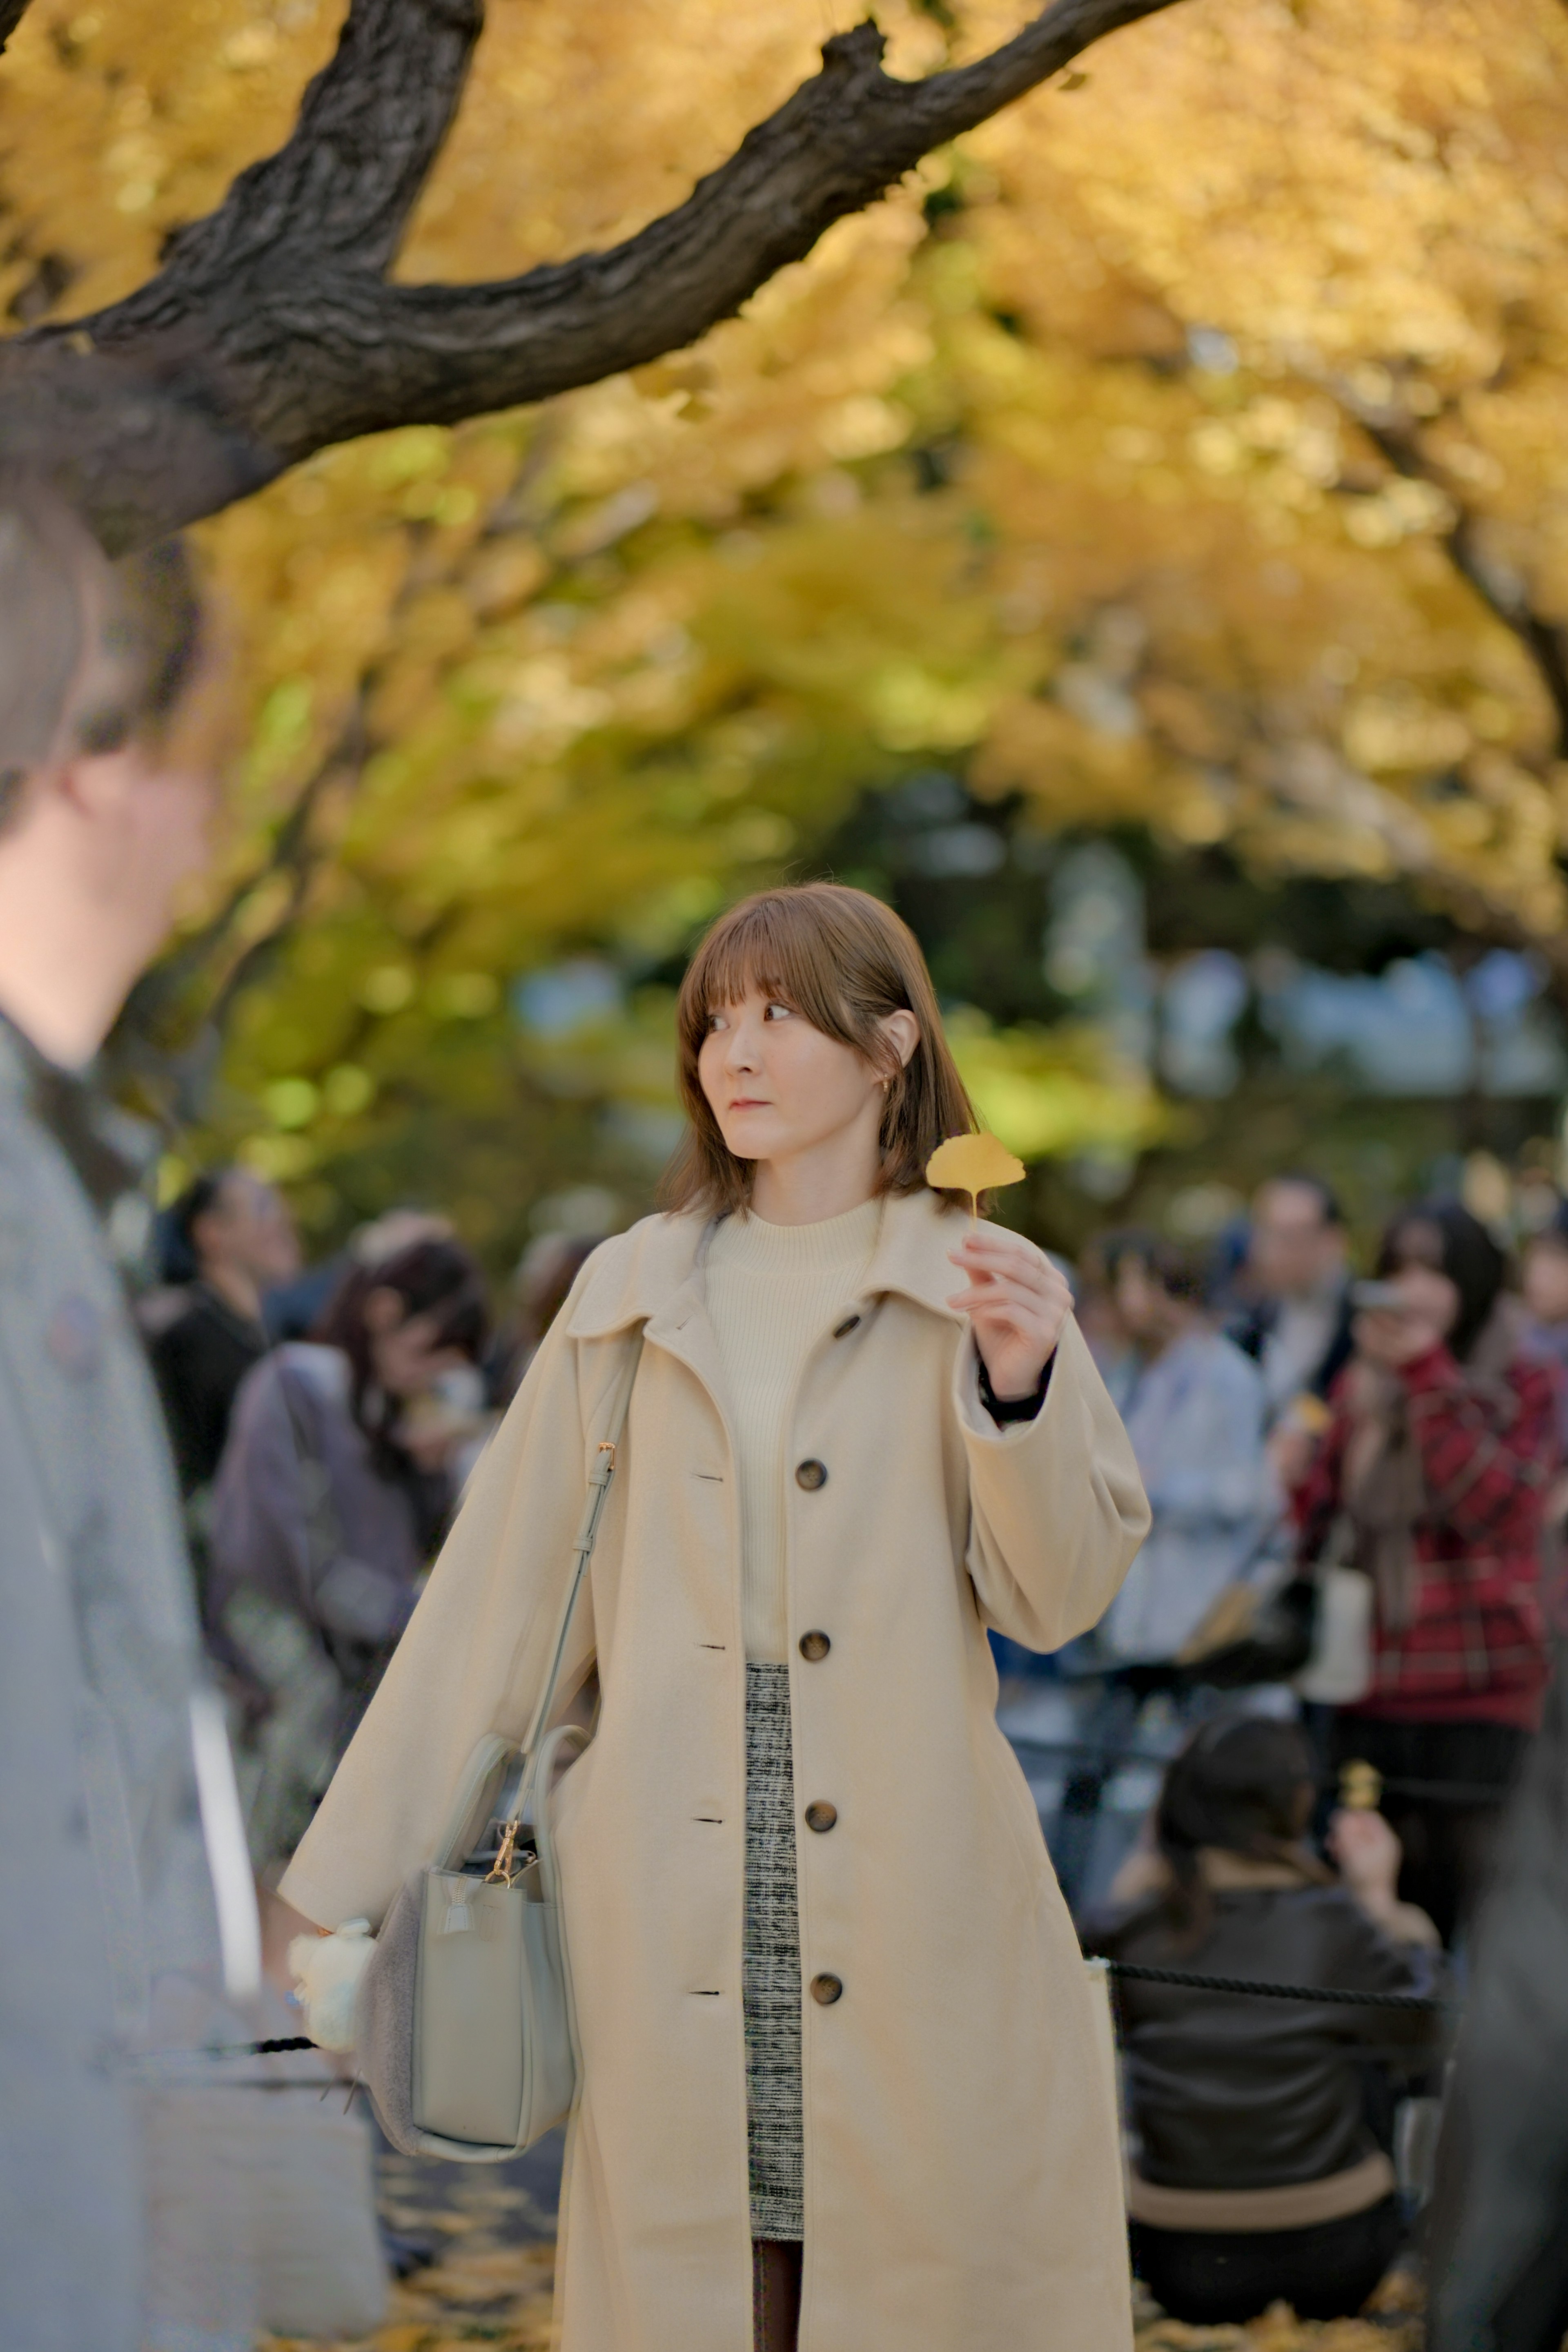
(112,719)
(91,862)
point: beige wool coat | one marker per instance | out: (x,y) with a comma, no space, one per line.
(962,2183)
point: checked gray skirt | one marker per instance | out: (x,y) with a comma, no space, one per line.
(770,1976)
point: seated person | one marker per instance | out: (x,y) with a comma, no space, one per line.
(1258,2174)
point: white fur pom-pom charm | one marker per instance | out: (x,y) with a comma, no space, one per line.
(327,1972)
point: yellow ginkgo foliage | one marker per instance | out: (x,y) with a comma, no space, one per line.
(1181,451)
(972,1165)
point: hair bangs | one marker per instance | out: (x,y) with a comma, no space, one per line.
(766,949)
(843,961)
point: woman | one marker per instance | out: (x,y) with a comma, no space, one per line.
(1194,1409)
(1433,1477)
(1258,2176)
(838,2050)
(334,1489)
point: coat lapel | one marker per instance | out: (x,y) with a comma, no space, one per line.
(654,1275)
(911,1259)
(657,1279)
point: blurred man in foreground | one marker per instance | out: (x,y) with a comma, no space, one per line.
(129,1908)
(1297,1329)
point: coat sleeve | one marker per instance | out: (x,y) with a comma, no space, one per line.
(1057,1507)
(476,1648)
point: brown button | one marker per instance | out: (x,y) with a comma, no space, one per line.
(811,1474)
(815,1644)
(827,1989)
(821,1816)
(846,1327)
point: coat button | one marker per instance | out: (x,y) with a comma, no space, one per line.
(815,1644)
(827,1989)
(821,1816)
(811,1474)
(842,1330)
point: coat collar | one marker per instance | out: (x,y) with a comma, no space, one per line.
(652,1274)
(107,1149)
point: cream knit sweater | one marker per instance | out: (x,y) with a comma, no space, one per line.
(772,1292)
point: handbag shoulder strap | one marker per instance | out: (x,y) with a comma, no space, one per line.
(497,1760)
(598,1479)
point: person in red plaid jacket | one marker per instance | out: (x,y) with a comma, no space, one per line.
(1432,1478)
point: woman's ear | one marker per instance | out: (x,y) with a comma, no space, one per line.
(902,1032)
(384,1309)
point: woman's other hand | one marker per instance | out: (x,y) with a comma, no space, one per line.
(1017,1303)
(433,1432)
(1366,1854)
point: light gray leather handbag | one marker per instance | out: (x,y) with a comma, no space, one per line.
(465,2035)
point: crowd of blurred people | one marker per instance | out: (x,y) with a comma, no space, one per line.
(1340,1635)
(321,1457)
(1357,1493)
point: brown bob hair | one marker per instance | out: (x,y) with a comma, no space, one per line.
(843,961)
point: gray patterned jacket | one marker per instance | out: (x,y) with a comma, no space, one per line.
(104,1883)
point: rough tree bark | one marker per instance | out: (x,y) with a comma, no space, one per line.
(272,330)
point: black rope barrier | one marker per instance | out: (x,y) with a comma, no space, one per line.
(1254,1986)
(1188,1980)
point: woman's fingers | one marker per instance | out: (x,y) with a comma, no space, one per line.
(998,1305)
(1017,1301)
(1033,1271)
(997,1286)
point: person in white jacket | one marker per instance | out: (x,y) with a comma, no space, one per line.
(124,1927)
(1195,1410)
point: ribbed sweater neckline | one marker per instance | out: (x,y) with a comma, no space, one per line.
(749,1241)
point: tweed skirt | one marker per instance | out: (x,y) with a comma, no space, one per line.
(770,1976)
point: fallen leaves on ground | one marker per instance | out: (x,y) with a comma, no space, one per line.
(493,2279)
(500,2296)
(1392,2323)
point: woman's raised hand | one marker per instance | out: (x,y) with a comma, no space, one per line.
(1017,1303)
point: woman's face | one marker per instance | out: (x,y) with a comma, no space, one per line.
(408,1354)
(1417,1267)
(1147,1312)
(776,1086)
(1546,1279)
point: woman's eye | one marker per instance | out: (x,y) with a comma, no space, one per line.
(714,1023)
(778,1013)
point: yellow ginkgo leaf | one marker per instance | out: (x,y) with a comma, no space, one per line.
(972,1165)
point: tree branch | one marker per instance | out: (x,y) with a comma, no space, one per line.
(339,192)
(270,332)
(11,14)
(1500,588)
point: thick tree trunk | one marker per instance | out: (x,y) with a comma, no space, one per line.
(272,330)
